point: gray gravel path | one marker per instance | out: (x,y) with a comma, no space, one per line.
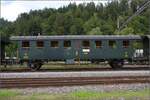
(94,88)
(74,74)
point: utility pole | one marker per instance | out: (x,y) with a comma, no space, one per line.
(118,23)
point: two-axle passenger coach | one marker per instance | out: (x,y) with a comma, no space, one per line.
(35,50)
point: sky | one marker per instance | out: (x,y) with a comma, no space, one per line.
(10,9)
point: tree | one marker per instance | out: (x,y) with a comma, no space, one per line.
(93,22)
(107,29)
(58,25)
(126,31)
(77,27)
(85,19)
(6,28)
(140,25)
(79,19)
(95,31)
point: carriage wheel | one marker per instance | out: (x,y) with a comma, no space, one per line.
(116,64)
(35,66)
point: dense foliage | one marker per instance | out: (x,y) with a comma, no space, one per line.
(80,19)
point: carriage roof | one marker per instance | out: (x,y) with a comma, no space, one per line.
(79,37)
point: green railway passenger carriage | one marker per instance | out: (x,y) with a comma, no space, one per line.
(69,48)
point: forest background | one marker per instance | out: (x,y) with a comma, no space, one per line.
(82,19)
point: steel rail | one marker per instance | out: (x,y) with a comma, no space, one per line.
(75,69)
(70,81)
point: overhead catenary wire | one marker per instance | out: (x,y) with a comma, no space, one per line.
(139,10)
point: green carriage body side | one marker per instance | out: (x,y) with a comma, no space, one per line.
(76,51)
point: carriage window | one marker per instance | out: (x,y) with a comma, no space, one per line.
(54,44)
(86,44)
(67,44)
(112,44)
(98,44)
(40,44)
(126,44)
(25,44)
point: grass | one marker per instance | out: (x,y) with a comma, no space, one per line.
(115,94)
(7,94)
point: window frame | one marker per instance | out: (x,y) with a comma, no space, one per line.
(25,46)
(113,45)
(53,42)
(38,43)
(96,46)
(65,41)
(126,43)
(84,45)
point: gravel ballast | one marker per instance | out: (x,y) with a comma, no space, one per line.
(93,88)
(74,74)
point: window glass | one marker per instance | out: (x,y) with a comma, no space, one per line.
(86,44)
(25,44)
(67,44)
(98,44)
(40,44)
(54,44)
(112,44)
(125,43)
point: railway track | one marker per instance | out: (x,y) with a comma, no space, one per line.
(70,81)
(74,69)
